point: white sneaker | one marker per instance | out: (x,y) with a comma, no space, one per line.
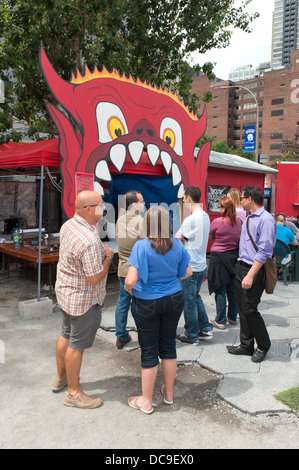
(206,335)
(287,259)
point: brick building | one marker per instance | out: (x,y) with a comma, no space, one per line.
(232,109)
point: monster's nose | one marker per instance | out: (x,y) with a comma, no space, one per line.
(143,128)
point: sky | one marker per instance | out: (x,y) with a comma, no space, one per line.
(244,48)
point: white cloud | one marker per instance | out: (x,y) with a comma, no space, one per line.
(244,48)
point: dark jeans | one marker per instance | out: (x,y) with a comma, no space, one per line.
(220,297)
(156,322)
(252,325)
(121,311)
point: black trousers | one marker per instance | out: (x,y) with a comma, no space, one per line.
(252,325)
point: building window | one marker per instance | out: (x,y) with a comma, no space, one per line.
(277,135)
(275,146)
(277,112)
(251,85)
(249,116)
(277,101)
(248,96)
(249,105)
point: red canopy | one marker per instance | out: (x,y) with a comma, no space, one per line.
(21,155)
(45,153)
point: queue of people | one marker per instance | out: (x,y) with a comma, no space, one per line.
(160,276)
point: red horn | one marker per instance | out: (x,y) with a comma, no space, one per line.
(62,90)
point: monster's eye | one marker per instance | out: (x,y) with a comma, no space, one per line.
(171,133)
(111,122)
(115,127)
(169,137)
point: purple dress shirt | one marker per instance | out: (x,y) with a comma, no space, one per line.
(262,228)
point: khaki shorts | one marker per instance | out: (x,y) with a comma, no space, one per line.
(81,330)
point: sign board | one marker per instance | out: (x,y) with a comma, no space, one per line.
(267,192)
(84,182)
(250,138)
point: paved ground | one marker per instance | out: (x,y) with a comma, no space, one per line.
(208,399)
(247,386)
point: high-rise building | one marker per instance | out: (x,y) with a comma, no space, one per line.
(285,32)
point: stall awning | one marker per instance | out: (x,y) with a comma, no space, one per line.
(22,155)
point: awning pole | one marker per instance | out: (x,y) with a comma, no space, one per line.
(40,230)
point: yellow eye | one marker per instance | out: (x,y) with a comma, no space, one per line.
(115,127)
(169,137)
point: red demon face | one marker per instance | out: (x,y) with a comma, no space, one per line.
(118,118)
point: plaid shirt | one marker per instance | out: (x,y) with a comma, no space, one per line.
(80,256)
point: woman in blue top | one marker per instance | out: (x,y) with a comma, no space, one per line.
(157,263)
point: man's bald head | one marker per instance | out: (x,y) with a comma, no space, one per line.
(89,205)
(280,219)
(87,198)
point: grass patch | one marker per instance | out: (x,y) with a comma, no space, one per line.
(290,398)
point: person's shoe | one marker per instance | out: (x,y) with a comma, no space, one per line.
(206,335)
(219,326)
(167,402)
(239,350)
(259,355)
(185,339)
(59,384)
(121,342)
(82,401)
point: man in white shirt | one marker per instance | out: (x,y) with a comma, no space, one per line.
(194,232)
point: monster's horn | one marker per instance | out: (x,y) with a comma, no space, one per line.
(62,90)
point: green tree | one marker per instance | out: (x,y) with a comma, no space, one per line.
(149,39)
(221,146)
(290,148)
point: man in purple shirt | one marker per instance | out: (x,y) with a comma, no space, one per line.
(249,280)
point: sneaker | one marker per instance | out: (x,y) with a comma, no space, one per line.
(121,342)
(59,384)
(206,335)
(287,259)
(185,339)
(82,401)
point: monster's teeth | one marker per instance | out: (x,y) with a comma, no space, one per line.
(176,174)
(98,188)
(166,160)
(153,152)
(102,171)
(180,192)
(118,156)
(135,150)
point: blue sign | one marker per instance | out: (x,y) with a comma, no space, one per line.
(267,192)
(250,137)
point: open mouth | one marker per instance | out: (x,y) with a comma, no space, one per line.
(136,149)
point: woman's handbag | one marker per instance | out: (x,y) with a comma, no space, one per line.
(270,272)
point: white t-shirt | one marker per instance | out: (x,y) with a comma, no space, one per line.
(195,229)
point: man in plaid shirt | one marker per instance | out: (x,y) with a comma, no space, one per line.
(80,290)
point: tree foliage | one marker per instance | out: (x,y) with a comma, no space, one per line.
(290,148)
(222,147)
(149,39)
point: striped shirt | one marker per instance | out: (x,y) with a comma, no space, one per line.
(80,256)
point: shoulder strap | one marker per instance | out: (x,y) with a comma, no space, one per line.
(247,226)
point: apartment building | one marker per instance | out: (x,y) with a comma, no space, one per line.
(270,99)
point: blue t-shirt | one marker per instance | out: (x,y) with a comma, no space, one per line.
(284,234)
(158,275)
